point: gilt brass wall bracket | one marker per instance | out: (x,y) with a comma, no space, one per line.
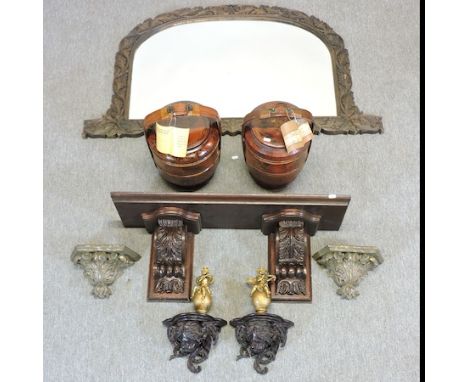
(347,265)
(103,264)
(289,232)
(349,119)
(172,246)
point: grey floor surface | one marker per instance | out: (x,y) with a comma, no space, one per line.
(374,338)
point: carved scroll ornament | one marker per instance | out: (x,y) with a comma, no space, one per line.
(169,264)
(290,269)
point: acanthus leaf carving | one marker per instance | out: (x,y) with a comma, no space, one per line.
(169,262)
(291,242)
(170,245)
(290,268)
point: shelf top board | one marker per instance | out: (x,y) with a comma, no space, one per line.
(231,211)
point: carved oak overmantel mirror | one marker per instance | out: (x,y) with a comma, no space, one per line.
(232,58)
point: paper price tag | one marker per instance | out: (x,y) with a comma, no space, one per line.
(172,140)
(180,137)
(295,135)
(163,138)
(292,138)
(305,131)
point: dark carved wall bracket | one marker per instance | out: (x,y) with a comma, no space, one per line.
(289,234)
(349,120)
(260,335)
(192,335)
(172,245)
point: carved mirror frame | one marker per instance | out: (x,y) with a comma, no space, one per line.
(349,120)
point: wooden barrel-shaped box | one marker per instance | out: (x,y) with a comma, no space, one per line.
(203,147)
(265,152)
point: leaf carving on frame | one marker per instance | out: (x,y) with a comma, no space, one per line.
(346,106)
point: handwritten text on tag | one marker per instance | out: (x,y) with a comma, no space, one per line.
(172,140)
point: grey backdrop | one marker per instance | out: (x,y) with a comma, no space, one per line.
(374,338)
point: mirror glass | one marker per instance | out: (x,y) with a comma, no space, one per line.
(232,66)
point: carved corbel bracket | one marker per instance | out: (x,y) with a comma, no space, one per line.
(103,264)
(289,232)
(260,335)
(347,265)
(192,335)
(172,246)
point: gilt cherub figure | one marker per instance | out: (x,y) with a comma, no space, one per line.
(260,293)
(201,295)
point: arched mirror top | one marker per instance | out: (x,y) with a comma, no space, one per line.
(232,66)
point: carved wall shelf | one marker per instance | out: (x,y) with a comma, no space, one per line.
(347,265)
(173,219)
(103,264)
(349,120)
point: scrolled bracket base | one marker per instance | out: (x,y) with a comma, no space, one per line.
(103,264)
(192,335)
(260,335)
(347,265)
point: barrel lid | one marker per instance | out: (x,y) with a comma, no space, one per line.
(197,136)
(269,136)
(199,128)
